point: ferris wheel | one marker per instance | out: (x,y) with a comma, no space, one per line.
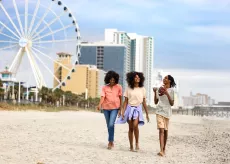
(32,33)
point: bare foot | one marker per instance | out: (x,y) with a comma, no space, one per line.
(137,147)
(131,148)
(160,154)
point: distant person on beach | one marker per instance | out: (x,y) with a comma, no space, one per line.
(110,102)
(135,98)
(164,98)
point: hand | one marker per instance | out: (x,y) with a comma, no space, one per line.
(147,117)
(155,89)
(161,91)
(119,113)
(165,91)
(123,116)
(98,108)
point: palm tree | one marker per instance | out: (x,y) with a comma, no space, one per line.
(16,91)
(58,94)
(82,101)
(1,83)
(31,94)
(9,92)
(69,98)
(43,93)
(95,102)
(1,90)
(77,99)
(1,94)
(51,99)
(89,102)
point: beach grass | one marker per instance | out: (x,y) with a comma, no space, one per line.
(40,107)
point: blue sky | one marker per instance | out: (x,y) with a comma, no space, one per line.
(193,34)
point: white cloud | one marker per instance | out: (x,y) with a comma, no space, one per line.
(206,4)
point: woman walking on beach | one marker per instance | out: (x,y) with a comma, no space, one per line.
(135,98)
(110,102)
(164,98)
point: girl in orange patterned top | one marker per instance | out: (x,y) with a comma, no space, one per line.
(110,102)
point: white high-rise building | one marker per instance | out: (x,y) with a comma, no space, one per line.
(121,37)
(140,54)
(109,35)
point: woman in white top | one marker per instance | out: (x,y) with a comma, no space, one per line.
(135,98)
(164,98)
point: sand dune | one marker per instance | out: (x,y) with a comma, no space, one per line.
(81,137)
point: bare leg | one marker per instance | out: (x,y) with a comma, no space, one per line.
(130,133)
(136,132)
(161,138)
(165,139)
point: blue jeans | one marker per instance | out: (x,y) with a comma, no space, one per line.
(110,117)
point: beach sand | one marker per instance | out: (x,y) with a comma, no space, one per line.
(81,137)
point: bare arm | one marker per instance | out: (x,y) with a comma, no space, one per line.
(145,106)
(156,100)
(120,97)
(146,109)
(155,96)
(120,109)
(125,105)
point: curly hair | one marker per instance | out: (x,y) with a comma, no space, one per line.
(131,76)
(111,74)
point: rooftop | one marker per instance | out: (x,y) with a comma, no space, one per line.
(63,53)
(6,72)
(224,103)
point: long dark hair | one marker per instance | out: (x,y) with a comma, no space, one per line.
(172,81)
(131,76)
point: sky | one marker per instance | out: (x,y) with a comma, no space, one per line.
(191,37)
(192,34)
